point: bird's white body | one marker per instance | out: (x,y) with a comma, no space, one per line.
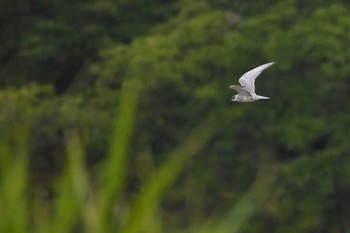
(246,92)
(252,98)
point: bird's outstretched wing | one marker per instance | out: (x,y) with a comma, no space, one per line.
(240,90)
(247,80)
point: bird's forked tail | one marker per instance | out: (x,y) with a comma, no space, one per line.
(260,97)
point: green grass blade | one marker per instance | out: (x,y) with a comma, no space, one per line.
(249,204)
(14,182)
(66,207)
(116,164)
(142,217)
(80,180)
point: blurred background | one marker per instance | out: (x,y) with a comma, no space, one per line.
(147,82)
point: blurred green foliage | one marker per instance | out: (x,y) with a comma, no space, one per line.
(115,116)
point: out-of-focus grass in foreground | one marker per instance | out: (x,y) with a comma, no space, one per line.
(81,206)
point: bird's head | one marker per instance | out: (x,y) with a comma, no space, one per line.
(235,98)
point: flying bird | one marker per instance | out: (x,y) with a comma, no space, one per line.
(246,91)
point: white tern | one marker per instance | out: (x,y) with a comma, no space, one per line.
(246,91)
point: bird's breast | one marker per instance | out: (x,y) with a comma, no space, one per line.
(245,98)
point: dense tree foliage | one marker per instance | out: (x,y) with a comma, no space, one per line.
(64,66)
(52,42)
